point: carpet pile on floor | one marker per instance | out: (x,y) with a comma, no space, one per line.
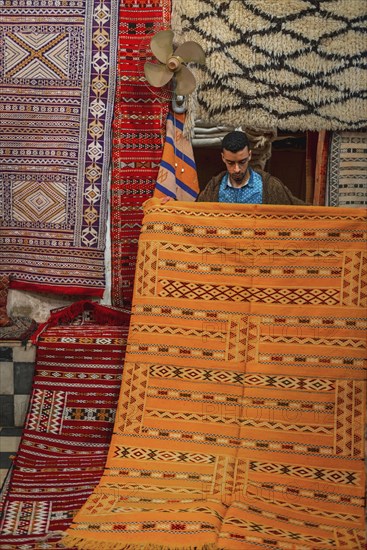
(63,449)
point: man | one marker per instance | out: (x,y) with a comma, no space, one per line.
(240,183)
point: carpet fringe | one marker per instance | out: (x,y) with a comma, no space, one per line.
(102,315)
(71,541)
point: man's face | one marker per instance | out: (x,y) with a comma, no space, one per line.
(237,165)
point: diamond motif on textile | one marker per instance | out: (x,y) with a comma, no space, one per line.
(102,14)
(178,289)
(39,202)
(93,173)
(37,55)
(89,235)
(99,86)
(92,194)
(95,150)
(100,62)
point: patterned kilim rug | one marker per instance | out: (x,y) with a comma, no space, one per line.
(347,169)
(57,76)
(138,138)
(69,424)
(291,65)
(240,422)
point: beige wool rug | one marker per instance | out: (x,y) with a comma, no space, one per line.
(292,65)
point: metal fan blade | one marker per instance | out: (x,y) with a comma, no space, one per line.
(191,51)
(162,45)
(185,81)
(157,75)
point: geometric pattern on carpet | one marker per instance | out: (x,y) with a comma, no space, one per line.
(57,78)
(293,66)
(240,422)
(137,140)
(67,431)
(347,169)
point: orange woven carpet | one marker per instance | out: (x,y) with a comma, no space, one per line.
(240,421)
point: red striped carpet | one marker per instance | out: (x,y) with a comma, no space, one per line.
(69,425)
(138,138)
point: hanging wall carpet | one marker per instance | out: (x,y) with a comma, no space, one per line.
(138,138)
(347,169)
(291,65)
(57,76)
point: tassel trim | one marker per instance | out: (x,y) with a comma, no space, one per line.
(102,315)
(86,544)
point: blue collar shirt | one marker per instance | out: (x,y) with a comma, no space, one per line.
(251,193)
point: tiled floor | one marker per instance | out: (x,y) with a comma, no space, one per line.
(9,442)
(16,376)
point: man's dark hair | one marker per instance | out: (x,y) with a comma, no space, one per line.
(235,141)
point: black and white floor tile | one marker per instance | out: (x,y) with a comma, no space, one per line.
(16,377)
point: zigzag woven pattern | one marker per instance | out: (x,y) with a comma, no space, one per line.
(347,169)
(138,138)
(240,423)
(68,428)
(57,68)
(292,65)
